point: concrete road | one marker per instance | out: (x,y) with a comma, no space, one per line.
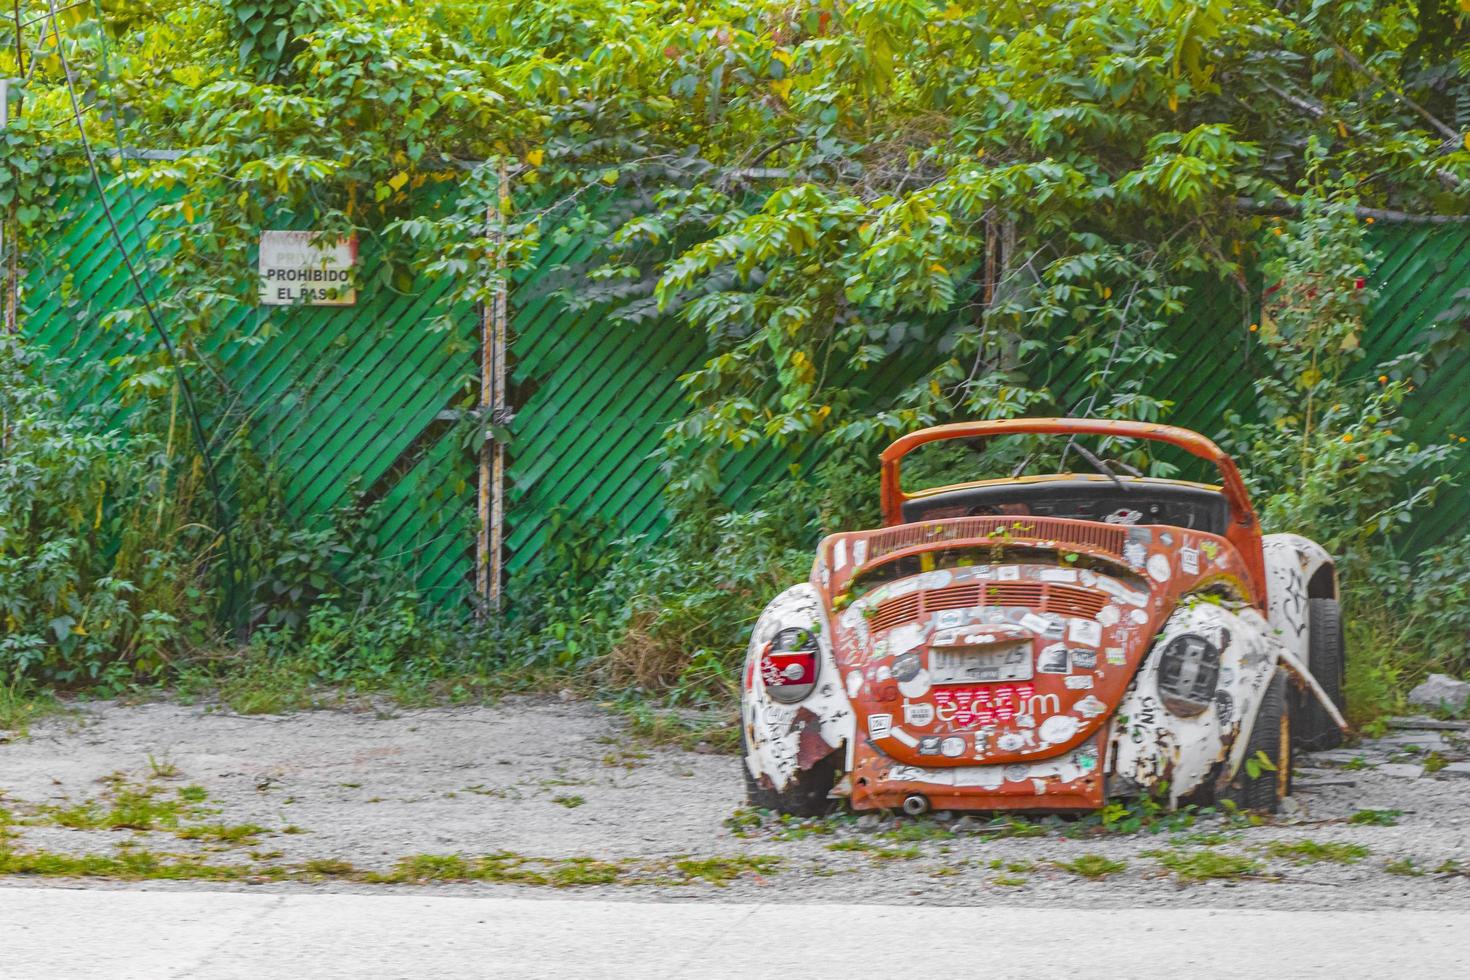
(116,934)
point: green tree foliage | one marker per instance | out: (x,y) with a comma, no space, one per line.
(819,185)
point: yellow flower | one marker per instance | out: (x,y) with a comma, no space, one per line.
(1383,379)
(1347,437)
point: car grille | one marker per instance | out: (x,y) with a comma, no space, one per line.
(1065,600)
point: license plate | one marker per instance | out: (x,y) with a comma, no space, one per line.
(971,665)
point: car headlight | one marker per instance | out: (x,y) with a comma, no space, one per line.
(1189,670)
(789,665)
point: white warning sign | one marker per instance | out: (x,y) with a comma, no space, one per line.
(306,267)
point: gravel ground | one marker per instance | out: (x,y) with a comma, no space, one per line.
(557,779)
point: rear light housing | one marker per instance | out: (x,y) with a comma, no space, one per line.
(789,665)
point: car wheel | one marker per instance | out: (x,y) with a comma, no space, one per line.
(805,795)
(1312,728)
(1270,738)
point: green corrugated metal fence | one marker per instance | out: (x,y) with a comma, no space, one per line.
(349,401)
(341,400)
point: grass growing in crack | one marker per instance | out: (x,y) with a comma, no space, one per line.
(1376,818)
(193,794)
(132,865)
(329,867)
(163,768)
(1312,852)
(570,802)
(1434,762)
(1008,881)
(1403,866)
(1092,866)
(723,870)
(1192,867)
(1015,867)
(244,833)
(131,808)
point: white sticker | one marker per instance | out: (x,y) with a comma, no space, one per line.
(1158,568)
(1079,682)
(880,725)
(920,713)
(1116,656)
(916,686)
(1059,574)
(839,554)
(954,746)
(1189,560)
(1084,631)
(1138,616)
(860,551)
(947,618)
(902,639)
(1008,573)
(1035,623)
(1133,553)
(854,684)
(1121,592)
(985,777)
(1109,615)
(1054,660)
(1058,728)
(1090,706)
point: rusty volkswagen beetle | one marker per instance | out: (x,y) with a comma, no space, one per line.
(1046,643)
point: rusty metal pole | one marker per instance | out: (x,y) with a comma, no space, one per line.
(502,328)
(492,409)
(9,234)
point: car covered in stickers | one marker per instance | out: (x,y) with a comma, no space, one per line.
(1047,643)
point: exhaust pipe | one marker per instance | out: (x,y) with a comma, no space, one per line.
(916,804)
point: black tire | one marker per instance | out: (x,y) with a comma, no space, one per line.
(804,796)
(1271,735)
(1312,728)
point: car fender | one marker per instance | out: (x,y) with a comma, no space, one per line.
(782,739)
(1150,744)
(1297,569)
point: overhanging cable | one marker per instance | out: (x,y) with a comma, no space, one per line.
(195,423)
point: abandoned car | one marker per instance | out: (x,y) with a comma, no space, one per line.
(1047,643)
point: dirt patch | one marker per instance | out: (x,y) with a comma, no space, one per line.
(536,793)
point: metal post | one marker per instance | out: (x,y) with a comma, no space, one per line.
(9,239)
(493,330)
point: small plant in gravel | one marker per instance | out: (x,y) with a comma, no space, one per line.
(329,868)
(1403,866)
(1376,818)
(723,870)
(1311,852)
(1008,881)
(244,833)
(1092,866)
(745,819)
(1434,762)
(570,802)
(193,794)
(909,853)
(917,831)
(1356,763)
(1191,867)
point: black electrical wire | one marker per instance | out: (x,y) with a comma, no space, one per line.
(189,405)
